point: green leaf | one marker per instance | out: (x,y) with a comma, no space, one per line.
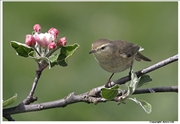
(53,58)
(110,93)
(145,105)
(31,54)
(21,49)
(65,53)
(132,85)
(10,101)
(144,80)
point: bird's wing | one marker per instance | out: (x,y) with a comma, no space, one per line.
(126,48)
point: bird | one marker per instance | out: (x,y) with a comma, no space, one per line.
(116,56)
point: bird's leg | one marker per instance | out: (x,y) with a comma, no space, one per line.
(130,71)
(109,80)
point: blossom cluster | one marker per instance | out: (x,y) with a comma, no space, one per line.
(48,40)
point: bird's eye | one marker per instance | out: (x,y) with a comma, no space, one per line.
(102,48)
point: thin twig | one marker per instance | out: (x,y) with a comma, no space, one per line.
(8,117)
(30,98)
(157,90)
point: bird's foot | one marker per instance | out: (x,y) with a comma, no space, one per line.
(108,84)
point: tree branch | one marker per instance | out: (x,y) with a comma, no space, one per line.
(157,90)
(92,96)
(73,98)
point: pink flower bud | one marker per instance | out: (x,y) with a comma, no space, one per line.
(52,46)
(37,28)
(30,40)
(62,41)
(53,31)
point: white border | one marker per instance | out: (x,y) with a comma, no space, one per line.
(90,0)
(178,55)
(76,122)
(1,61)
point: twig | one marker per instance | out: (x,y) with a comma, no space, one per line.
(30,98)
(157,90)
(8,117)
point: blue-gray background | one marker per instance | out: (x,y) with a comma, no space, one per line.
(151,25)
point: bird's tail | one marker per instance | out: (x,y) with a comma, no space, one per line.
(140,57)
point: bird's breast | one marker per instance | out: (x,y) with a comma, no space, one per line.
(114,64)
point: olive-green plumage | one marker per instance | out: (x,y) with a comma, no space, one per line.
(116,56)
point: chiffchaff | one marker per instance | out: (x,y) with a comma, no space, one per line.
(116,56)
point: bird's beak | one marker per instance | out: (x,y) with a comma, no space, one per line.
(92,51)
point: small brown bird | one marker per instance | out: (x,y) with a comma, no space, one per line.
(116,56)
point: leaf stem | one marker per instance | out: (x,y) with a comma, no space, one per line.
(36,51)
(52,51)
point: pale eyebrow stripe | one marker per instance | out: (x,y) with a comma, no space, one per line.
(103,45)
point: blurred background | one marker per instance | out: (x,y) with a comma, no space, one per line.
(154,26)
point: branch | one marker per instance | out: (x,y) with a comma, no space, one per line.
(93,95)
(157,90)
(73,98)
